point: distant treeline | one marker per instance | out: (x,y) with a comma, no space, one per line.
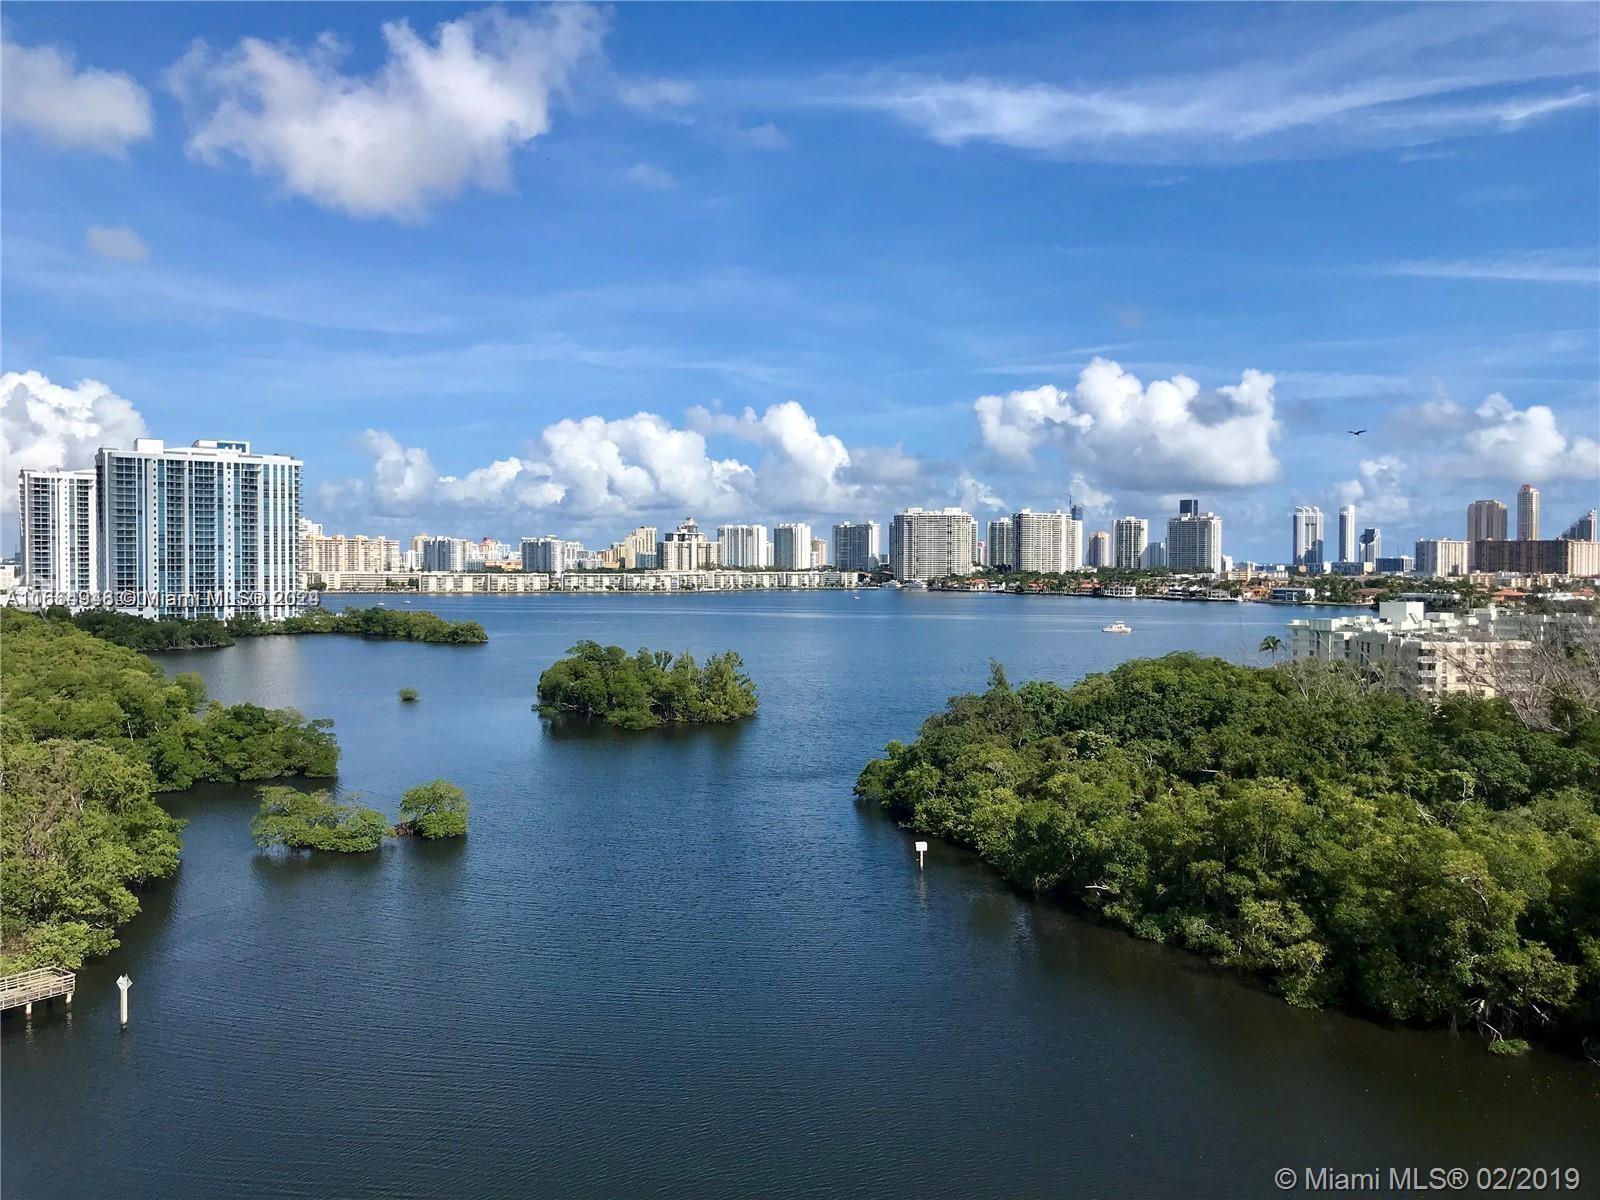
(89,733)
(1429,863)
(180,633)
(648,688)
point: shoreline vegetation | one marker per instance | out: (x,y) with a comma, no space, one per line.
(1428,864)
(91,734)
(198,633)
(647,689)
(301,820)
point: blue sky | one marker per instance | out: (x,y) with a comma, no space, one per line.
(521,270)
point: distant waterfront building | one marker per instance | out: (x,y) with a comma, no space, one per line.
(549,555)
(856,546)
(1400,564)
(1194,539)
(1560,556)
(744,546)
(1306,535)
(1099,553)
(444,554)
(686,549)
(791,546)
(1486,521)
(1583,529)
(819,553)
(1000,544)
(1047,542)
(1371,546)
(1442,557)
(324,554)
(1347,534)
(210,529)
(1527,513)
(1129,537)
(1153,557)
(638,550)
(929,543)
(59,549)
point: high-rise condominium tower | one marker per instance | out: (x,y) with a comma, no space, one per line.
(59,548)
(929,543)
(1099,552)
(1527,513)
(1129,537)
(744,546)
(1347,534)
(856,546)
(686,549)
(1194,539)
(791,546)
(551,555)
(1441,557)
(1371,546)
(1486,521)
(1306,535)
(210,529)
(1583,529)
(449,554)
(1048,542)
(1000,544)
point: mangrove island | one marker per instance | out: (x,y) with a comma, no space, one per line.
(1427,863)
(647,689)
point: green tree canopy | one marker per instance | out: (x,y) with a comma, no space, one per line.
(1429,863)
(435,810)
(313,821)
(647,689)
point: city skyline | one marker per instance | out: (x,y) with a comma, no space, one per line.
(620,305)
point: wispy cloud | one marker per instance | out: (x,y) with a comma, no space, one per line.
(648,175)
(1403,81)
(1534,266)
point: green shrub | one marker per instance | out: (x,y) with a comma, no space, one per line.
(435,810)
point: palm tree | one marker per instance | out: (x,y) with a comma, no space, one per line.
(1272,646)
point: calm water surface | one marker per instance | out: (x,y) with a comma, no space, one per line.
(690,965)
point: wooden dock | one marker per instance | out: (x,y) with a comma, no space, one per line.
(20,991)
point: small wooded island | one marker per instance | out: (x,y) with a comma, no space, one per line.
(1428,863)
(314,821)
(647,689)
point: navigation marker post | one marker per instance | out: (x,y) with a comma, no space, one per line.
(921,848)
(123,984)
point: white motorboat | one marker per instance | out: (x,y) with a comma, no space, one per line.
(1117,627)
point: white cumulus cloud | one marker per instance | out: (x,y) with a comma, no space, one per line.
(1498,440)
(1379,491)
(1157,437)
(44,91)
(595,471)
(803,467)
(45,425)
(586,468)
(436,117)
